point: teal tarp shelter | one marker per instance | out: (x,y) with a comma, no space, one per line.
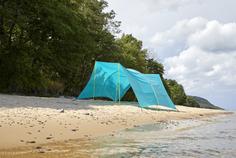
(112,80)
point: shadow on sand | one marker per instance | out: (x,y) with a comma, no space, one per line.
(15,101)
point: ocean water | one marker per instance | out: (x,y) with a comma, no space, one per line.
(209,138)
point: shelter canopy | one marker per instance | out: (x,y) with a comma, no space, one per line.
(112,80)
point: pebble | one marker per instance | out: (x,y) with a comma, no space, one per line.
(38,147)
(49,137)
(62,111)
(41,151)
(31,142)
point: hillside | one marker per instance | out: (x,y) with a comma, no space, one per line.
(204,103)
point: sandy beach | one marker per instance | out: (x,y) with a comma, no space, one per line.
(32,121)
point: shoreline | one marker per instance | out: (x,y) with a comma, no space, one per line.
(25,126)
(83,147)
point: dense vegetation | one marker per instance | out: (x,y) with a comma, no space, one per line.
(48,47)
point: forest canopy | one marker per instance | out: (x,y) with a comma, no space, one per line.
(48,47)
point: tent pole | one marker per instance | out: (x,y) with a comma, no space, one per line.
(94,81)
(117,84)
(155,94)
(119,81)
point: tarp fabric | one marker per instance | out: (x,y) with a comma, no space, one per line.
(112,80)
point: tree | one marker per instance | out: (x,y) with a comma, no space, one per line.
(52,43)
(177,92)
(191,102)
(154,67)
(130,52)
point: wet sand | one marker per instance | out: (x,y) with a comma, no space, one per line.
(34,125)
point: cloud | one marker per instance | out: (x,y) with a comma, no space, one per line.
(208,35)
(137,16)
(200,70)
(215,37)
(207,74)
(202,56)
(174,40)
(158,5)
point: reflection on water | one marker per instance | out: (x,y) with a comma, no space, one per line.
(212,138)
(183,139)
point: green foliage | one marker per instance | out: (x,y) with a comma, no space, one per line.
(154,67)
(177,92)
(130,53)
(190,101)
(52,41)
(178,95)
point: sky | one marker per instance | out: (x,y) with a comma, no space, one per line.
(194,39)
